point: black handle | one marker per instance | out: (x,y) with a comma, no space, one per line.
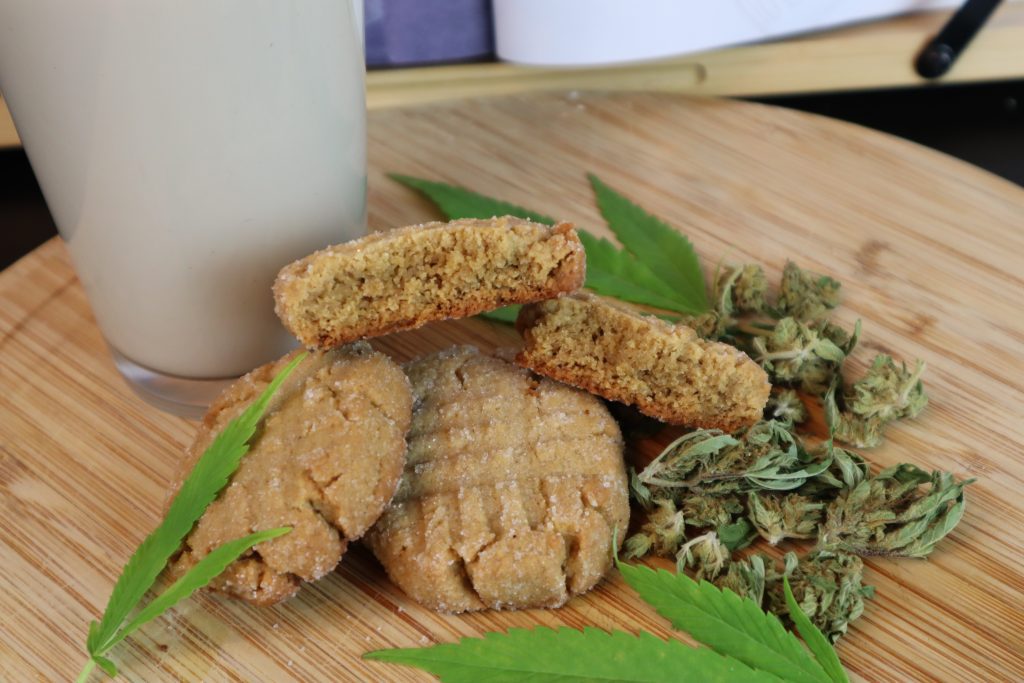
(938,55)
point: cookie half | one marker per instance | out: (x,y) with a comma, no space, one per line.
(513,487)
(665,370)
(326,461)
(402,279)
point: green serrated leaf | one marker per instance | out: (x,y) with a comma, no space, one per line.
(725,622)
(207,478)
(543,655)
(617,273)
(204,571)
(609,261)
(667,252)
(505,314)
(815,639)
(458,202)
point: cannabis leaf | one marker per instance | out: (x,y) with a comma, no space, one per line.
(655,243)
(195,578)
(744,644)
(620,273)
(725,622)
(815,639)
(543,655)
(458,202)
(617,273)
(202,485)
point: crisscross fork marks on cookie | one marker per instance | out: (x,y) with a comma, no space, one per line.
(513,487)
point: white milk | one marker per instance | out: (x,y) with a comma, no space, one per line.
(187,150)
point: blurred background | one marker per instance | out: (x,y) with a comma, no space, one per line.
(848,60)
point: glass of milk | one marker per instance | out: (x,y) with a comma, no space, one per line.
(187,151)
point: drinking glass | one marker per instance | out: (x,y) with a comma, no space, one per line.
(187,150)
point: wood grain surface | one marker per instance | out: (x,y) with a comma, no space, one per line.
(930,251)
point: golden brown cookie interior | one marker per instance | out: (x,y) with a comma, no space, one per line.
(665,370)
(404,278)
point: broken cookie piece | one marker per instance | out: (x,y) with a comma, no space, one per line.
(665,370)
(402,279)
(512,490)
(325,461)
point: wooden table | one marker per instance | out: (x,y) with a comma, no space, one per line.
(930,251)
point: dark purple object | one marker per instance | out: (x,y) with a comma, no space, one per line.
(410,32)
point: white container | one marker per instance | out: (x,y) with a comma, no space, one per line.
(187,150)
(600,32)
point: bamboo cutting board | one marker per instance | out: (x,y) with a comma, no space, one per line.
(930,252)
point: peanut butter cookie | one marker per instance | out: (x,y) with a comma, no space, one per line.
(666,371)
(402,279)
(325,462)
(512,489)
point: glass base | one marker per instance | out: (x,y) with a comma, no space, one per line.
(181,396)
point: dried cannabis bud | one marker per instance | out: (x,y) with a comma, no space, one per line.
(708,325)
(840,337)
(785,406)
(858,431)
(700,479)
(747,577)
(738,290)
(885,393)
(892,514)
(709,493)
(705,554)
(830,591)
(806,296)
(662,534)
(712,511)
(782,461)
(829,588)
(777,517)
(846,470)
(796,353)
(741,289)
(767,455)
(682,458)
